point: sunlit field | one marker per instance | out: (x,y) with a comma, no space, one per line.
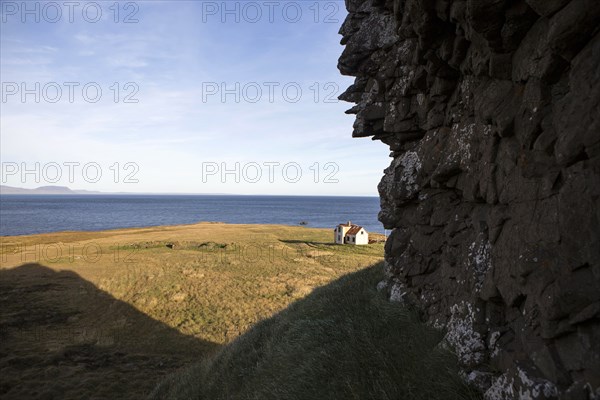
(100,314)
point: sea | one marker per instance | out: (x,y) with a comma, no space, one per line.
(31,214)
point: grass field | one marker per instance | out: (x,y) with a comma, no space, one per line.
(343,341)
(108,314)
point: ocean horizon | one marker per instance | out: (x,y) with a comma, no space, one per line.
(34,214)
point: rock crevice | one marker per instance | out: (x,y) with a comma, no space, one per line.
(491,110)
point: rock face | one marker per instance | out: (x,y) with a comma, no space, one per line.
(491,109)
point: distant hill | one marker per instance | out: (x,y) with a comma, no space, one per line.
(4,189)
(43,190)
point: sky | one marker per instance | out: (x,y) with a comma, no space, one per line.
(234,97)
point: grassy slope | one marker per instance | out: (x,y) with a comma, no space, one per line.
(343,341)
(106,315)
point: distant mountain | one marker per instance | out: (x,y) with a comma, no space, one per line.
(43,190)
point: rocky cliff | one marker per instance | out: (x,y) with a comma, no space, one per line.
(491,109)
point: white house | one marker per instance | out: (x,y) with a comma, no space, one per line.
(350,234)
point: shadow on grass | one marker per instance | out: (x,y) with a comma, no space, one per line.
(63,338)
(343,341)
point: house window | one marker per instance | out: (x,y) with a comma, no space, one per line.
(362,232)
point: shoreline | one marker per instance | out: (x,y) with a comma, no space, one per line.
(160,227)
(133,194)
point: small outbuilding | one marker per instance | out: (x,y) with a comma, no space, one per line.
(350,234)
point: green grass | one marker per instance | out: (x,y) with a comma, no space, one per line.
(236,301)
(343,341)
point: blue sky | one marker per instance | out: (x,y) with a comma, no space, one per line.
(162,119)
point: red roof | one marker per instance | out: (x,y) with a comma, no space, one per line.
(354,230)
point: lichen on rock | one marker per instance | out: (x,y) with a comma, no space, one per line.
(461,335)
